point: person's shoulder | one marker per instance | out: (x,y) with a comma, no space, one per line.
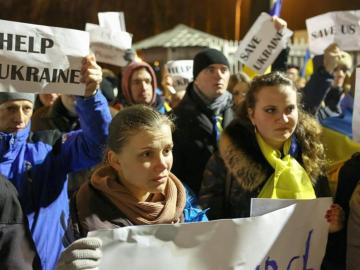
(50,137)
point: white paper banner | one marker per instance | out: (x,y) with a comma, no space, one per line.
(290,238)
(340,27)
(262,44)
(41,59)
(181,72)
(114,21)
(356,112)
(108,46)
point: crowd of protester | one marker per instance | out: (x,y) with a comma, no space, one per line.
(129,152)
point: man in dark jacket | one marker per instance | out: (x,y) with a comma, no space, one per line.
(17,250)
(38,163)
(201,116)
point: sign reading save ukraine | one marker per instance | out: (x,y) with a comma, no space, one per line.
(262,44)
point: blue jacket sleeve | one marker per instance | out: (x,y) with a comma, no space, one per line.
(316,89)
(84,148)
(192,213)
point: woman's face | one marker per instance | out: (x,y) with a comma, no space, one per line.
(48,99)
(275,115)
(239,92)
(144,163)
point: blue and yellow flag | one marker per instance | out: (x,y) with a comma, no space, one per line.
(276,8)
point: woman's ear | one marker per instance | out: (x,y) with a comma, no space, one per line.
(113,160)
(251,115)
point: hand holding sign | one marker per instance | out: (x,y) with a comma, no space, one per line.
(263,43)
(335,216)
(279,23)
(91,75)
(334,57)
(84,253)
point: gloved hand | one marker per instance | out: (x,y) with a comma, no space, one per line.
(334,57)
(83,254)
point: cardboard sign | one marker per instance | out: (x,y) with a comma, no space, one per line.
(107,45)
(114,21)
(181,72)
(262,44)
(41,59)
(340,27)
(290,238)
(356,112)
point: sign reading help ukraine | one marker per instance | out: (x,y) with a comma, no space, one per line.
(290,238)
(109,46)
(340,27)
(181,72)
(36,58)
(262,44)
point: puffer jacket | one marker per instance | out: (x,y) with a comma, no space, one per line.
(38,163)
(227,190)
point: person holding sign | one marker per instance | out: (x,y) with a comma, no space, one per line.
(38,163)
(134,186)
(335,61)
(272,150)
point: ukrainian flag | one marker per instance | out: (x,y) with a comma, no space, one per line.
(276,8)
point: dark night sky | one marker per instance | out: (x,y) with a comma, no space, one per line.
(145,18)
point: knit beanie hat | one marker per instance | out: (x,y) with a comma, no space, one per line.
(6,96)
(206,58)
(126,76)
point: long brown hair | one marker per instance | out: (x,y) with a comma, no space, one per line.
(307,131)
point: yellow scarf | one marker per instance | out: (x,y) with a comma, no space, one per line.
(290,180)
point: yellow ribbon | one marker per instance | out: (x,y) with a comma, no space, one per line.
(290,180)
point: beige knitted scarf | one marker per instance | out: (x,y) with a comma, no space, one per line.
(164,208)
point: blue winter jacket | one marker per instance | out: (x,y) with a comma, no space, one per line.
(37,164)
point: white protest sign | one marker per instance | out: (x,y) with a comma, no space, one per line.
(356,111)
(290,238)
(181,72)
(340,27)
(261,206)
(114,21)
(262,44)
(108,46)
(36,58)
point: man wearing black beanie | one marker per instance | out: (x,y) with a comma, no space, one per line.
(201,116)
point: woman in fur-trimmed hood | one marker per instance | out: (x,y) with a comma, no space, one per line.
(272,150)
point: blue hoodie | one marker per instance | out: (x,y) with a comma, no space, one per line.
(37,164)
